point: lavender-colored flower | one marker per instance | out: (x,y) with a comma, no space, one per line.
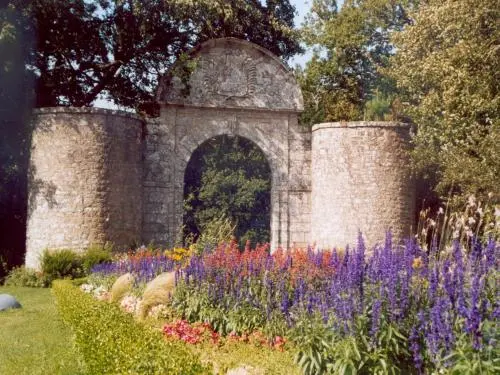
(474,315)
(415,348)
(376,308)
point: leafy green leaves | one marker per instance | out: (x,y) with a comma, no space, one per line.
(229,177)
(351,45)
(448,67)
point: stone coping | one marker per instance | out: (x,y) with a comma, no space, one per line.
(360,124)
(87,110)
(180,105)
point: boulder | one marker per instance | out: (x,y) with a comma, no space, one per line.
(8,302)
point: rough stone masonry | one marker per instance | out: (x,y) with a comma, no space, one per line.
(98,175)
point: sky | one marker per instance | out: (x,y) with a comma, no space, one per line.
(301,7)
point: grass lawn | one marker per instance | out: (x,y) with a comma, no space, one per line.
(34,340)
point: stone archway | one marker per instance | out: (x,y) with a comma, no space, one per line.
(98,175)
(237,88)
(233,174)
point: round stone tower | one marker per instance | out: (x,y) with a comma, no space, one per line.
(360,182)
(85,182)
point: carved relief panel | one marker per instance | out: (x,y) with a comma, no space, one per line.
(232,73)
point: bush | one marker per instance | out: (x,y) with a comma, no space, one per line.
(61,264)
(22,276)
(111,342)
(96,255)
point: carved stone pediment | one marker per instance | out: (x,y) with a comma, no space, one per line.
(232,73)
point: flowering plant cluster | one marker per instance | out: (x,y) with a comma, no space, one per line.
(130,304)
(99,292)
(403,307)
(160,311)
(190,333)
(144,264)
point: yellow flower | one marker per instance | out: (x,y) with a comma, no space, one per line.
(417,263)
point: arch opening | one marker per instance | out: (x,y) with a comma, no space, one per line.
(228,177)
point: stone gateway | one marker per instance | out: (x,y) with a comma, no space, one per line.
(99,175)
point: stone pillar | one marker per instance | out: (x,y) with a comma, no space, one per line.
(360,182)
(85,180)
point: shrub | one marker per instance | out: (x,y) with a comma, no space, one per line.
(61,264)
(22,276)
(111,342)
(96,254)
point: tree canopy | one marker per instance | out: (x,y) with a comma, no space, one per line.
(351,45)
(230,177)
(447,67)
(117,48)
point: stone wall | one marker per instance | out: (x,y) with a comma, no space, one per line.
(85,183)
(360,182)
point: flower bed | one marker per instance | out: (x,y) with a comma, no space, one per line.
(401,309)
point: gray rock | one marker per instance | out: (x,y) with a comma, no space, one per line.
(8,302)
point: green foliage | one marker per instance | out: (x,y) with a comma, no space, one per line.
(323,350)
(214,232)
(228,183)
(343,80)
(197,307)
(22,276)
(66,263)
(447,68)
(314,341)
(110,341)
(468,361)
(61,264)
(96,254)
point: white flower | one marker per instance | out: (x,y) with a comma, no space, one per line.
(456,234)
(440,211)
(432,223)
(469,233)
(497,211)
(471,221)
(480,211)
(159,311)
(87,288)
(130,304)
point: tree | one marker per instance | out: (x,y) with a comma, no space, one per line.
(118,48)
(230,177)
(448,69)
(15,102)
(351,45)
